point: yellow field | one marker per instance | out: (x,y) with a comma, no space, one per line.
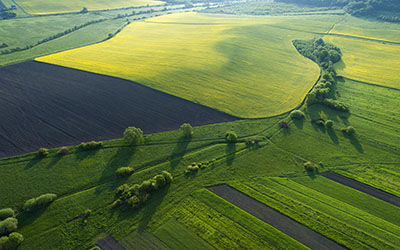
(353,26)
(238,65)
(371,62)
(38,7)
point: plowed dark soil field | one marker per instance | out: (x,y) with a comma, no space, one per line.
(44,105)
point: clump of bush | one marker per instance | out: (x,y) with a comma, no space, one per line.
(43,152)
(124,171)
(91,145)
(349,130)
(133,136)
(6,213)
(284,124)
(136,195)
(329,124)
(12,241)
(319,122)
(252,142)
(231,137)
(39,202)
(297,115)
(309,167)
(8,225)
(187,130)
(63,151)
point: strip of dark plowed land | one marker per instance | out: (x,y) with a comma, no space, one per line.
(377,193)
(109,243)
(44,105)
(269,215)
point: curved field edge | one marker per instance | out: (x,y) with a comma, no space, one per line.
(234,64)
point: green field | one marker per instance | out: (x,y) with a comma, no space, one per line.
(229,62)
(37,7)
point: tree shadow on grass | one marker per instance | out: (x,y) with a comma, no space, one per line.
(312,174)
(121,158)
(299,123)
(179,151)
(27,218)
(230,152)
(54,160)
(35,160)
(356,143)
(151,207)
(80,154)
(332,135)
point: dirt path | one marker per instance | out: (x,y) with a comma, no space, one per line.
(377,193)
(281,222)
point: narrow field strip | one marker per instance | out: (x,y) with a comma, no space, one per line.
(390,198)
(267,214)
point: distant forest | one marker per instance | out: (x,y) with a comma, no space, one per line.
(354,7)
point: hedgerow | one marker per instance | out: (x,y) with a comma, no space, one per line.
(63,151)
(11,242)
(136,195)
(91,145)
(39,202)
(43,152)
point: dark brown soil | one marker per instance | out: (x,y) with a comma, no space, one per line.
(281,222)
(109,243)
(44,105)
(377,193)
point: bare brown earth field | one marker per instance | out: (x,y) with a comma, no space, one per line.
(44,105)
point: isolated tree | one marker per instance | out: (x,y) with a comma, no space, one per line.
(297,114)
(187,130)
(231,136)
(133,136)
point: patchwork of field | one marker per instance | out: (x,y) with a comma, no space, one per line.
(372,62)
(241,66)
(345,215)
(47,106)
(39,7)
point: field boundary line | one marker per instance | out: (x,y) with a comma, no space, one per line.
(370,84)
(362,187)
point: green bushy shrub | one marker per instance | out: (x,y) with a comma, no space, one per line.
(349,130)
(187,130)
(124,171)
(329,124)
(133,136)
(8,225)
(63,151)
(297,114)
(310,167)
(6,213)
(192,168)
(43,152)
(231,136)
(91,145)
(39,202)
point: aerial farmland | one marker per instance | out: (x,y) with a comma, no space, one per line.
(271,124)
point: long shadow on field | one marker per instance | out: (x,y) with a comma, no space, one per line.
(356,143)
(179,151)
(121,158)
(151,207)
(230,153)
(332,135)
(27,218)
(35,160)
(299,123)
(54,161)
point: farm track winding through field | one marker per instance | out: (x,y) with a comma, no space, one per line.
(281,222)
(46,105)
(362,187)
